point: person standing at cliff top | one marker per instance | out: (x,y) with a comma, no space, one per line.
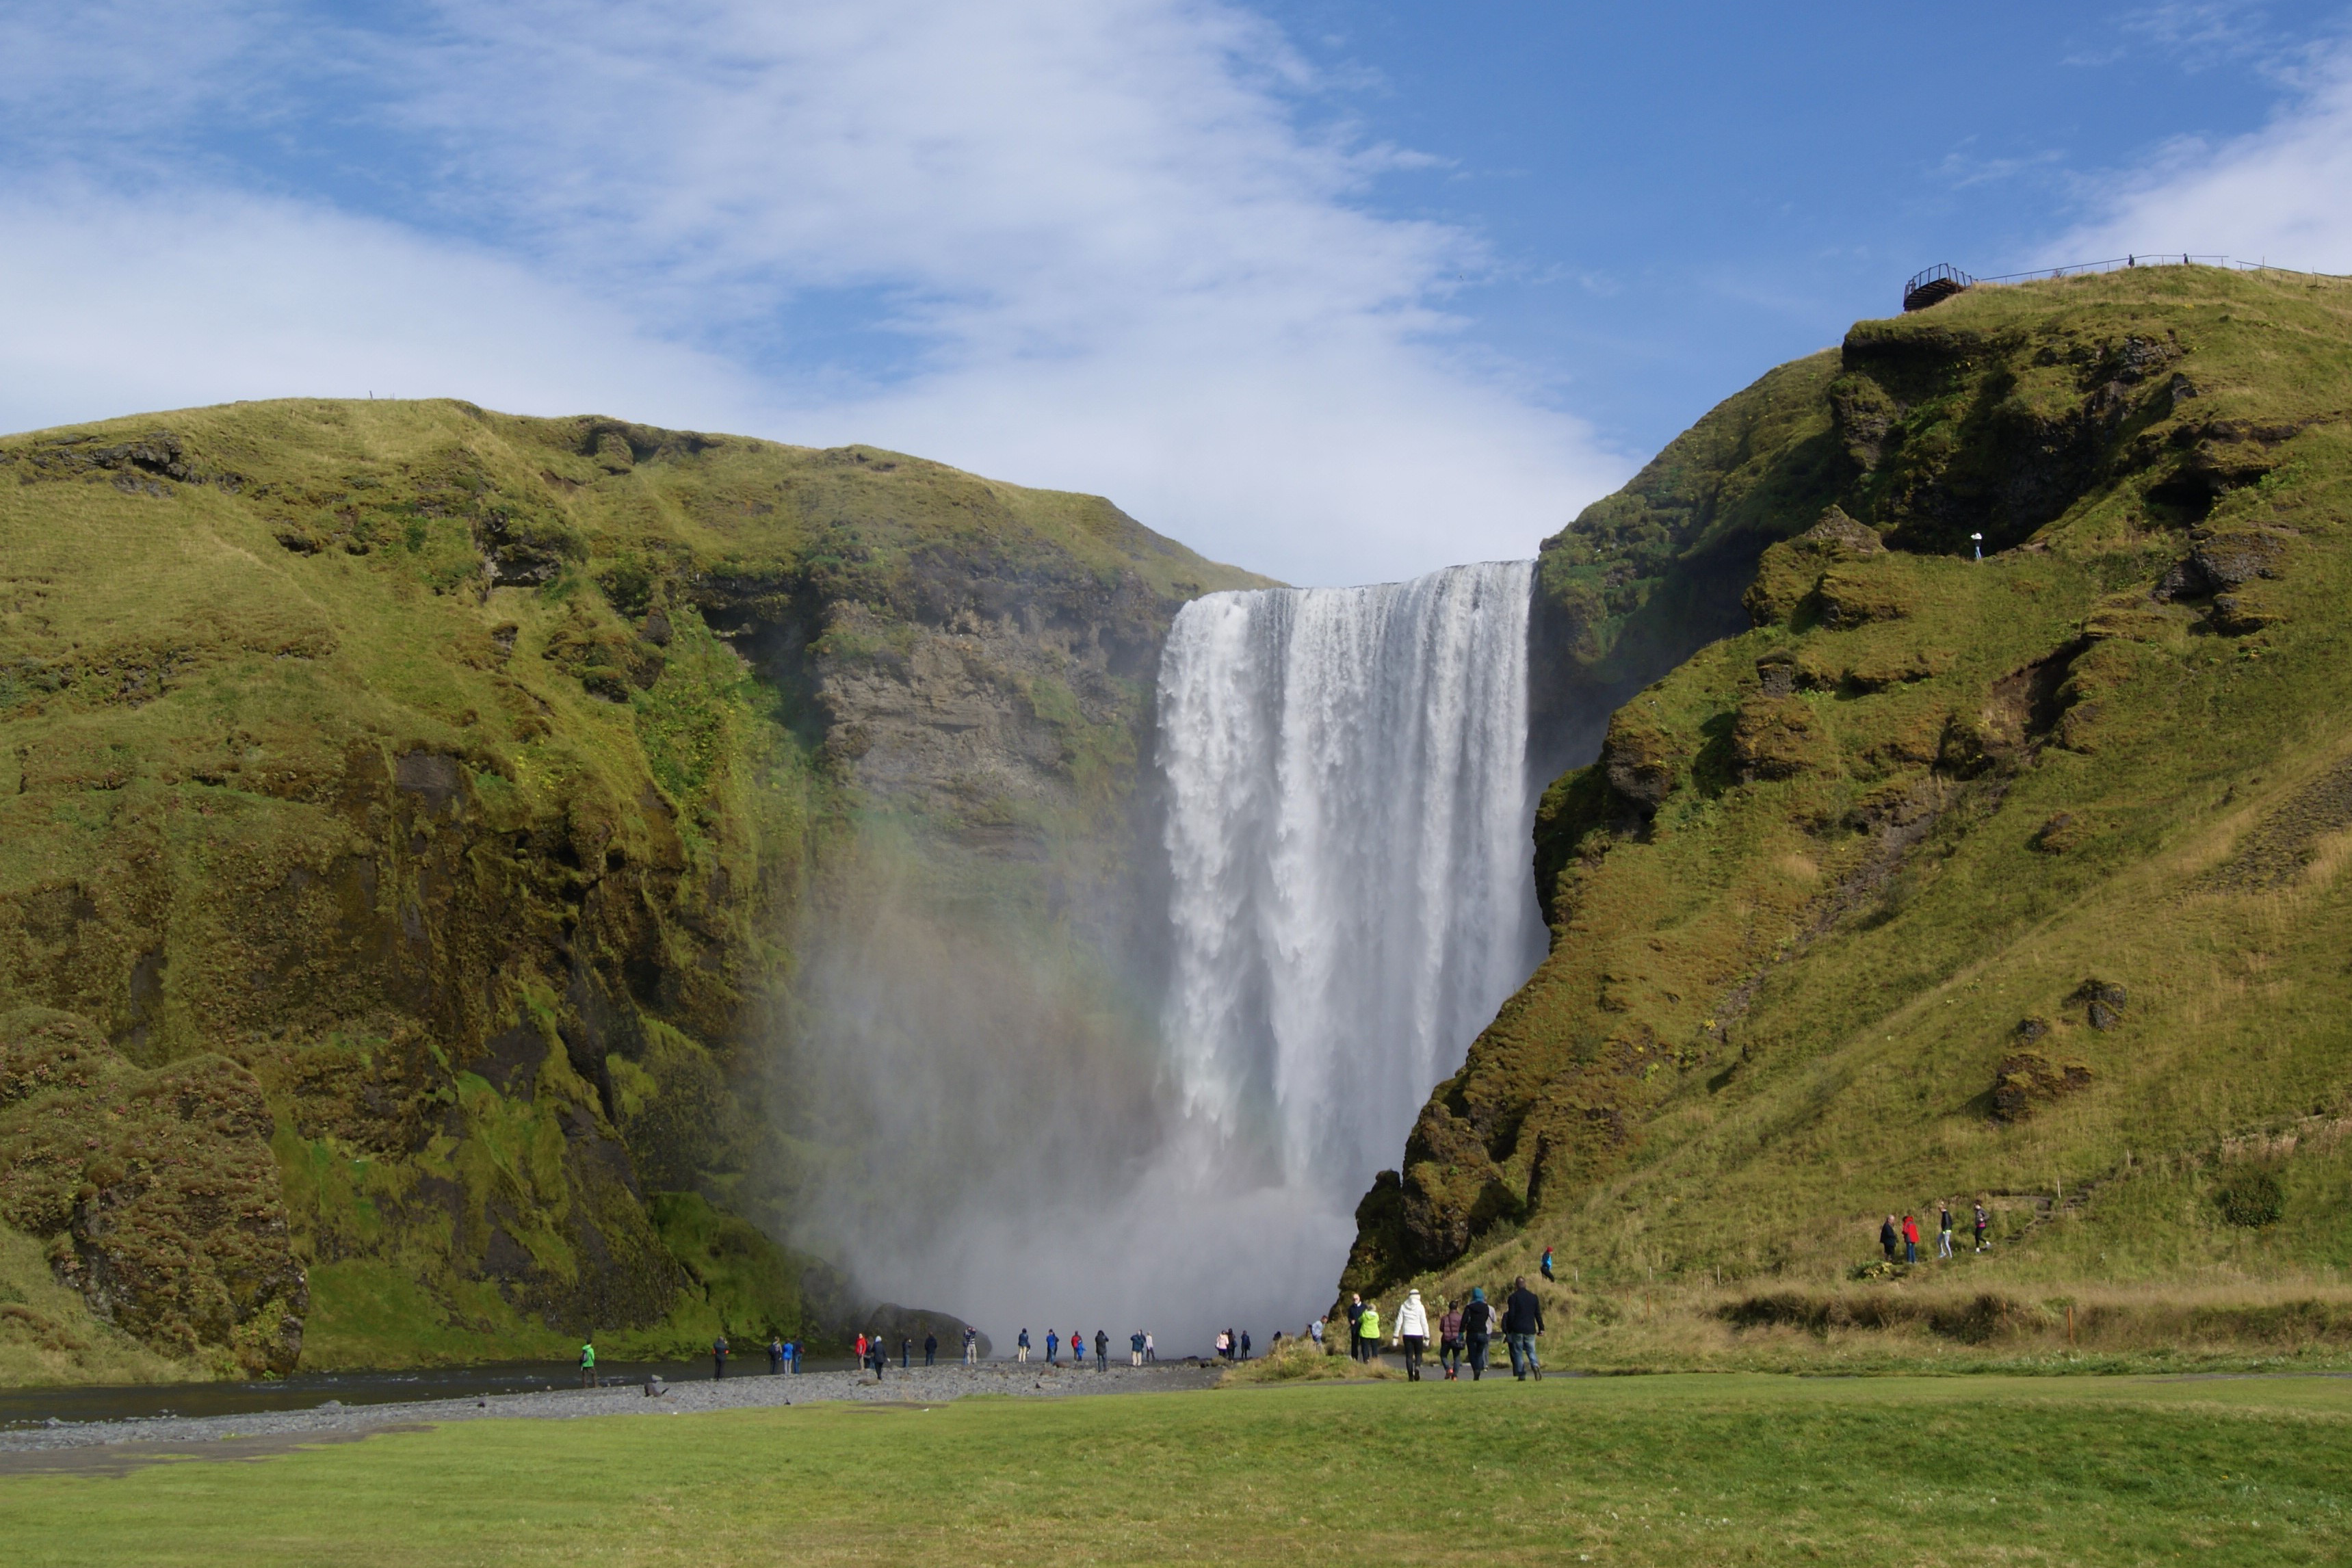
(1910,1239)
(1522,1322)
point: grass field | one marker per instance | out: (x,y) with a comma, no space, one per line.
(1667,1470)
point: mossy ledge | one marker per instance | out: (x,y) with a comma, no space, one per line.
(405,811)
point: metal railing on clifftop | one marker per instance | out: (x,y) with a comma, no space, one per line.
(1940,282)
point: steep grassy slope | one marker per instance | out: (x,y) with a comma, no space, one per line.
(1944,878)
(405,814)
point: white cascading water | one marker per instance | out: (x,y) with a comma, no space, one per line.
(1348,826)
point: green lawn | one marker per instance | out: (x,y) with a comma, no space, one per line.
(1689,1469)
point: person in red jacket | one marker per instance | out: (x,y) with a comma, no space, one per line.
(1910,1239)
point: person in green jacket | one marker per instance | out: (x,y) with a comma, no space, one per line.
(588,1364)
(1371,1326)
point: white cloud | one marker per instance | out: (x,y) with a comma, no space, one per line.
(2278,193)
(134,304)
(1099,241)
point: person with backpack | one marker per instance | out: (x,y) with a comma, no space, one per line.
(1370,1325)
(1887,1237)
(1983,1220)
(1412,1333)
(1910,1239)
(1944,1229)
(588,1363)
(1449,1342)
(1522,1322)
(1477,1330)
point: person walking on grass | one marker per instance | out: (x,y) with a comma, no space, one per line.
(1888,1237)
(588,1363)
(1021,1352)
(1370,1324)
(1522,1322)
(718,1358)
(1983,1220)
(1944,1229)
(1356,1327)
(1477,1330)
(1412,1333)
(1546,1264)
(1449,1342)
(1910,1239)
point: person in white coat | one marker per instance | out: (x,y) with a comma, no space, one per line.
(1412,1333)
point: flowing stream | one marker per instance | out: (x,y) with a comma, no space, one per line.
(1347,834)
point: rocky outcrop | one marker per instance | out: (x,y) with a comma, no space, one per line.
(154,1190)
(440,811)
(1809,840)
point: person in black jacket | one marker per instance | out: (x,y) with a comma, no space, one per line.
(1522,1322)
(1887,1238)
(1477,1330)
(930,1348)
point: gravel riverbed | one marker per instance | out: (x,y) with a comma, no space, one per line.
(332,1421)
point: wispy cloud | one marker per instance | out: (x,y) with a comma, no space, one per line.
(2276,194)
(1102,244)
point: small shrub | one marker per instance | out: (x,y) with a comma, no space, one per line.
(2251,1196)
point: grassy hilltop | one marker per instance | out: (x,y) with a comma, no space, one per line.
(1937,877)
(408,819)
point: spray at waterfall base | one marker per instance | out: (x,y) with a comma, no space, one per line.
(1019,1131)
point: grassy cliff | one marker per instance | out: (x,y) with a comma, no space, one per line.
(1937,878)
(407,817)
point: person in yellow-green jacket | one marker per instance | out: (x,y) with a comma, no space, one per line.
(588,1364)
(1372,1330)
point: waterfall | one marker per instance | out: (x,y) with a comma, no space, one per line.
(1348,821)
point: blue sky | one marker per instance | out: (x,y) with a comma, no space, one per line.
(1338,291)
